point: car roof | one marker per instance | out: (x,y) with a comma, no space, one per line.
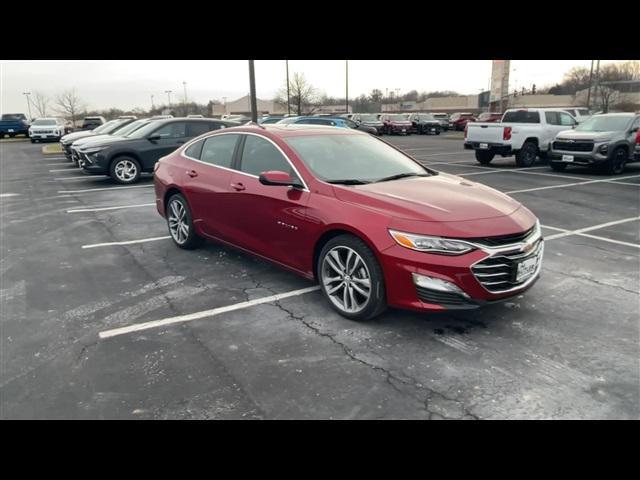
(291,130)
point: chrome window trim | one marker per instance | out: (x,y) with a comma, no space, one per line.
(184,148)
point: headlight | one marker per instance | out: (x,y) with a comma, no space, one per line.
(89,151)
(604,148)
(424,243)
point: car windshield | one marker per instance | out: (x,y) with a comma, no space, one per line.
(398,118)
(105,126)
(440,115)
(113,126)
(44,121)
(352,158)
(131,127)
(605,123)
(427,117)
(144,130)
(368,118)
(11,117)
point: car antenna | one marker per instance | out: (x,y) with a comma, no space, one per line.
(254,124)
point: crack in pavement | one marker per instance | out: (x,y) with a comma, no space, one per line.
(390,377)
(592,280)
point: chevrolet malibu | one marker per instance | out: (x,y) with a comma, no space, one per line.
(373,226)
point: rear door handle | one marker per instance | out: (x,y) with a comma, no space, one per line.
(238,186)
(192,173)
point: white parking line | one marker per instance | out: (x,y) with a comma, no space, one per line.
(72,168)
(206,313)
(130,242)
(583,231)
(54,158)
(106,188)
(82,177)
(59,164)
(104,209)
(564,185)
(440,154)
(5,195)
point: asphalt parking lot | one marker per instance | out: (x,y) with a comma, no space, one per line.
(86,265)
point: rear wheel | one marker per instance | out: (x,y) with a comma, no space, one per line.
(484,157)
(615,165)
(180,223)
(351,278)
(526,156)
(125,170)
(558,167)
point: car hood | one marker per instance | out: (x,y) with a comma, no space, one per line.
(107,141)
(90,140)
(373,124)
(578,135)
(71,137)
(402,123)
(439,198)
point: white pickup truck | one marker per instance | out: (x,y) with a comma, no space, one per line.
(523,132)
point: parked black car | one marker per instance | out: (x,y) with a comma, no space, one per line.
(425,123)
(125,158)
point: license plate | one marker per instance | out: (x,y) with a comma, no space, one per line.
(567,158)
(526,268)
(484,146)
(433,130)
(11,130)
(404,129)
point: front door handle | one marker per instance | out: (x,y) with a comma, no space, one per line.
(192,173)
(238,186)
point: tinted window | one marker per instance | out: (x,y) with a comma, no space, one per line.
(195,129)
(521,116)
(260,155)
(566,119)
(172,130)
(194,150)
(350,123)
(552,118)
(218,150)
(604,123)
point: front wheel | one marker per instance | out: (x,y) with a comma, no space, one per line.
(125,170)
(484,157)
(526,156)
(615,165)
(180,223)
(351,278)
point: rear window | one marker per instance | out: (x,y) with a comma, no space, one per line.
(521,116)
(13,118)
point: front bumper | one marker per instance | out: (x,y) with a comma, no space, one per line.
(94,164)
(578,158)
(400,129)
(45,136)
(399,265)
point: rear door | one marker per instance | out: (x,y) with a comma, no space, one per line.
(206,182)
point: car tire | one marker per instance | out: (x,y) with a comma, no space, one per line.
(346,290)
(557,166)
(615,165)
(180,223)
(125,170)
(484,158)
(526,156)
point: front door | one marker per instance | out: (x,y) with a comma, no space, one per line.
(172,136)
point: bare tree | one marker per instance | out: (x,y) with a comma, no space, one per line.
(302,94)
(41,103)
(69,103)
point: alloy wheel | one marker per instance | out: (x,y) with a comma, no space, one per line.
(346,279)
(178,225)
(126,170)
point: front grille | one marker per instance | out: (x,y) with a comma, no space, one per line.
(502,240)
(567,146)
(498,272)
(43,132)
(440,298)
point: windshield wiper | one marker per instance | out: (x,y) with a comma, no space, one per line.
(349,181)
(403,175)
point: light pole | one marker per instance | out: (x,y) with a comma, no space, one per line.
(252,86)
(26,94)
(184,103)
(589,91)
(152,105)
(168,92)
(288,94)
(346,66)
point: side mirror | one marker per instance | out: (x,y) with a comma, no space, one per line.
(153,138)
(278,179)
(634,130)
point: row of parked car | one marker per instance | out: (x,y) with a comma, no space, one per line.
(604,141)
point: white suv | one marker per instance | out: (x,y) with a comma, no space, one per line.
(48,128)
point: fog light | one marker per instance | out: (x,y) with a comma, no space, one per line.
(437,284)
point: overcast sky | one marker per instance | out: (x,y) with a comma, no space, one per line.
(128,84)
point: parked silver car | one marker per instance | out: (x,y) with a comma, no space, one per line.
(604,141)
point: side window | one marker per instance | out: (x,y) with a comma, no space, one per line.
(195,129)
(172,130)
(218,150)
(194,150)
(552,118)
(215,126)
(260,155)
(566,119)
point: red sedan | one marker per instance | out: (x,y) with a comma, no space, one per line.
(370,223)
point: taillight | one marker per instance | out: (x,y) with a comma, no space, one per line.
(638,138)
(506,133)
